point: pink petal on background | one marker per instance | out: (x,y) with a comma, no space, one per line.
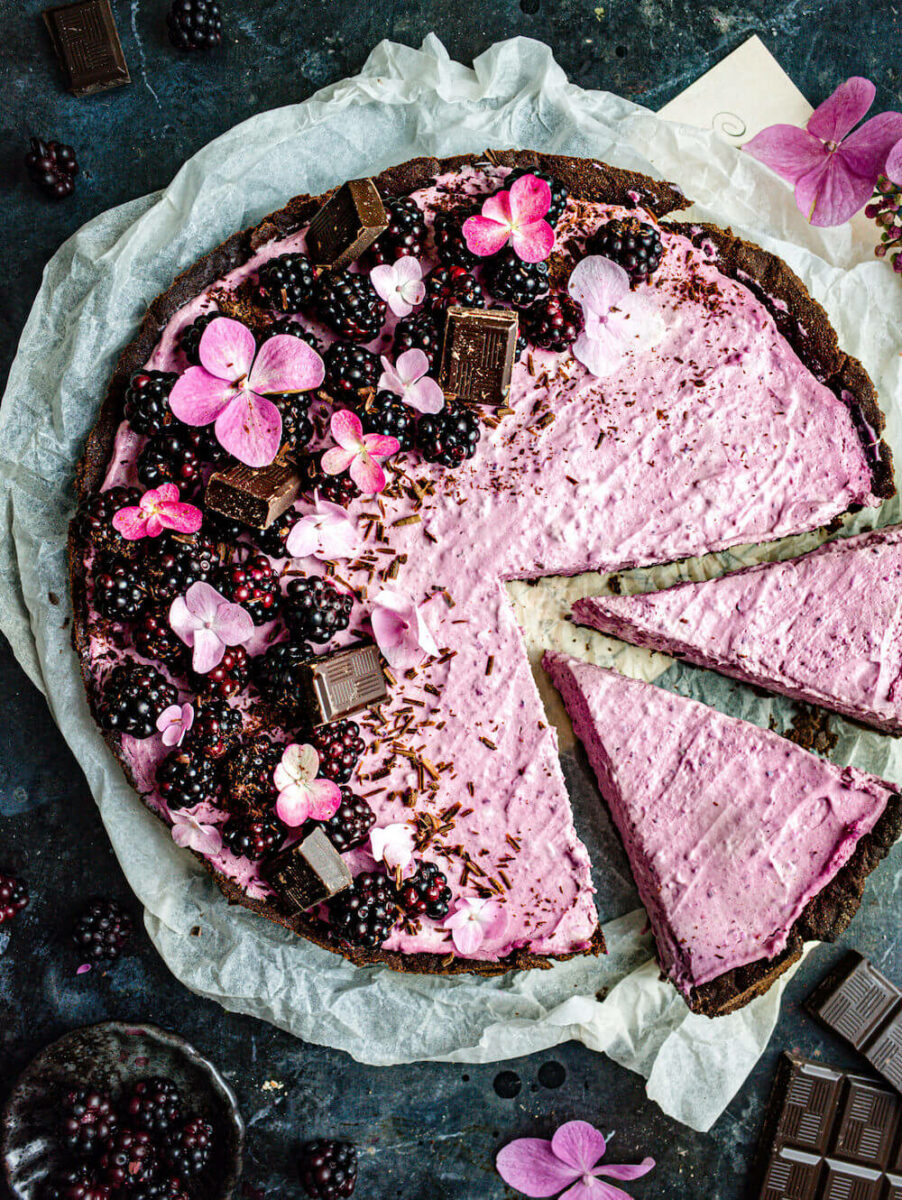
(467,938)
(788,151)
(894,163)
(389,629)
(303,540)
(347,430)
(166,491)
(499,208)
(866,151)
(596,283)
(336,460)
(293,805)
(182,621)
(600,355)
(831,194)
(530,198)
(233,624)
(842,110)
(325,799)
(203,600)
(590,1191)
(184,518)
(390,380)
(250,428)
(207,651)
(578,1144)
(155,524)
(425,396)
(530,1166)
(299,764)
(533,242)
(131,523)
(286,364)
(381,445)
(484,236)
(367,473)
(412,365)
(227,349)
(627,1170)
(199,397)
(494,929)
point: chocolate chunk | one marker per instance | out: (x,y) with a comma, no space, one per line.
(345,681)
(478,355)
(307,873)
(87,45)
(865,1008)
(346,225)
(255,496)
(829,1135)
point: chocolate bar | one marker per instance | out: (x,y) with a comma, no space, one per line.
(478,354)
(346,225)
(255,496)
(87,45)
(307,873)
(861,1005)
(345,681)
(829,1135)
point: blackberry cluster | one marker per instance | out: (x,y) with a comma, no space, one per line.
(406,234)
(425,893)
(172,456)
(516,282)
(388,414)
(364,914)
(194,24)
(178,560)
(222,530)
(188,1152)
(253,584)
(297,428)
(13,897)
(53,167)
(339,746)
(418,332)
(154,638)
(132,698)
(88,1120)
(189,339)
(102,932)
(161,1187)
(632,244)
(146,403)
(227,678)
(559,193)
(217,727)
(350,305)
(286,283)
(252,838)
(95,520)
(285,325)
(76,1183)
(280,675)
(453,285)
(247,773)
(339,489)
(187,777)
(553,323)
(129,1157)
(450,243)
(120,592)
(272,539)
(448,437)
(154,1105)
(349,368)
(328,1169)
(316,610)
(351,823)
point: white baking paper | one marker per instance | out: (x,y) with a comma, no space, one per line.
(95,290)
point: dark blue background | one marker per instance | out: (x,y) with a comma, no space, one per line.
(430,1130)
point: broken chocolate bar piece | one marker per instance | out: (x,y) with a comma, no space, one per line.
(344,682)
(307,873)
(256,496)
(478,355)
(865,1008)
(87,45)
(346,225)
(829,1135)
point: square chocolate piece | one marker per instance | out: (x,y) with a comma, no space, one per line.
(346,225)
(307,873)
(344,682)
(478,355)
(87,45)
(256,496)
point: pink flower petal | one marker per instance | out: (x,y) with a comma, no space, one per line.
(389,629)
(894,163)
(866,151)
(594,1190)
(367,474)
(303,540)
(203,601)
(336,460)
(199,397)
(182,621)
(530,199)
(484,236)
(381,445)
(155,525)
(347,430)
(407,270)
(286,364)
(411,365)
(841,111)
(131,523)
(578,1144)
(299,764)
(233,624)
(831,193)
(530,1166)
(390,380)
(596,284)
(208,651)
(425,396)
(184,518)
(467,940)
(627,1170)
(250,428)
(533,242)
(600,355)
(325,799)
(498,208)
(293,805)
(164,493)
(227,349)
(788,151)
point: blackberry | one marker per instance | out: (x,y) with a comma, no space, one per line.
(351,823)
(188,1153)
(286,283)
(119,590)
(102,931)
(187,777)
(418,332)
(227,678)
(53,167)
(88,1120)
(13,897)
(271,540)
(350,305)
(248,770)
(178,560)
(339,489)
(147,401)
(160,1187)
(132,698)
(449,436)
(328,1169)
(189,339)
(297,428)
(453,285)
(253,584)
(222,530)
(76,1183)
(450,243)
(316,610)
(154,1104)
(559,193)
(553,323)
(349,368)
(339,746)
(94,521)
(292,329)
(252,838)
(280,674)
(516,282)
(406,234)
(364,914)
(154,638)
(217,727)
(128,1158)
(426,893)
(171,456)
(387,413)
(635,246)
(194,24)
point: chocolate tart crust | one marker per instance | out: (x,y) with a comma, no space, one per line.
(809,333)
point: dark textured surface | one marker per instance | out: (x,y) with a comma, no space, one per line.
(428,1130)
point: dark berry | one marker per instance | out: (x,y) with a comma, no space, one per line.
(297,428)
(252,838)
(160,1187)
(388,414)
(516,282)
(553,323)
(171,456)
(88,1120)
(559,193)
(253,584)
(280,673)
(248,776)
(188,1152)
(406,234)
(316,610)
(426,893)
(128,1158)
(227,678)
(194,24)
(217,726)
(271,540)
(352,822)
(328,1169)
(53,168)
(13,897)
(175,561)
(286,283)
(76,1183)
(453,285)
(222,530)
(132,698)
(632,244)
(418,332)
(350,305)
(189,339)
(102,931)
(450,243)
(448,437)
(147,401)
(339,489)
(349,368)
(339,746)
(364,914)
(154,638)
(95,521)
(154,1104)
(291,329)
(120,592)
(187,777)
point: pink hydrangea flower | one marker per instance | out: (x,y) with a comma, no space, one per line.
(538,1167)
(192,829)
(893,169)
(303,797)
(474,922)
(158,509)
(326,533)
(516,216)
(230,387)
(832,169)
(400,629)
(207,622)
(409,379)
(393,845)
(174,722)
(616,319)
(358,453)
(400,284)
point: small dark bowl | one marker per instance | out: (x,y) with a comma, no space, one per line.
(111,1057)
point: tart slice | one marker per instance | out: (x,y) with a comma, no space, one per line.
(742,845)
(825,627)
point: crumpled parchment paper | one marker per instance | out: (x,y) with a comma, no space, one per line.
(405,102)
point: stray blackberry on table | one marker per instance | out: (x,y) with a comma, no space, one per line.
(102,932)
(53,167)
(13,897)
(328,1169)
(194,24)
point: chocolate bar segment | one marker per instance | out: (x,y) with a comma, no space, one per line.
(346,225)
(307,873)
(87,45)
(344,682)
(256,496)
(865,1008)
(478,354)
